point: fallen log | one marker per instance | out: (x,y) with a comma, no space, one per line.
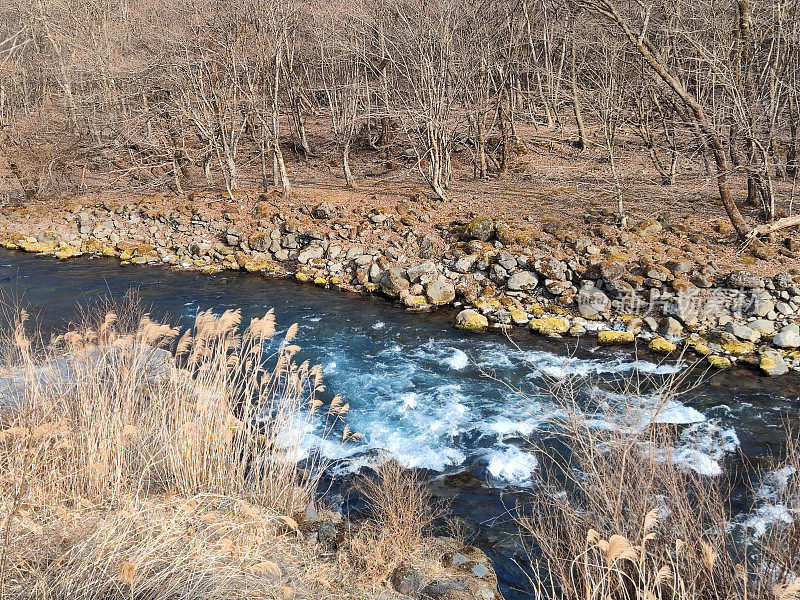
(783,223)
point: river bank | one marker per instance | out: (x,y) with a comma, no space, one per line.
(650,284)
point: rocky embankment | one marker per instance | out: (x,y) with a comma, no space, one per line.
(618,286)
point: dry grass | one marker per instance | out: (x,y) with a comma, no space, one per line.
(616,517)
(400,514)
(130,471)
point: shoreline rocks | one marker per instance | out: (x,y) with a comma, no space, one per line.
(498,276)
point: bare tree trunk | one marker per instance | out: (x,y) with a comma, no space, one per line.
(481,146)
(505,136)
(576,103)
(733,143)
(348,175)
(281,175)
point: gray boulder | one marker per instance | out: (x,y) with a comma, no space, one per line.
(772,363)
(481,228)
(743,332)
(440,291)
(745,280)
(423,273)
(522,281)
(465,263)
(323,210)
(310,253)
(788,337)
(592,303)
(406,580)
(393,281)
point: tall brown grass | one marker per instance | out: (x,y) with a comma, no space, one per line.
(140,463)
(399,515)
(616,516)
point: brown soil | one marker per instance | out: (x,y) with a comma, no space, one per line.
(550,181)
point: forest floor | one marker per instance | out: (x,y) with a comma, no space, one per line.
(549,181)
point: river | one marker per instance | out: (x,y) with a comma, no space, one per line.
(463,407)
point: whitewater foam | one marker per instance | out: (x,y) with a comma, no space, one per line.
(511,465)
(458,360)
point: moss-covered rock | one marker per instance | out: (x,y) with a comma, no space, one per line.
(549,326)
(260,241)
(471,320)
(771,362)
(65,251)
(536,309)
(518,316)
(480,228)
(487,304)
(35,246)
(718,362)
(738,347)
(662,345)
(615,338)
(415,302)
(702,349)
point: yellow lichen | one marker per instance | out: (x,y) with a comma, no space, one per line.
(737,347)
(718,362)
(549,326)
(662,345)
(611,338)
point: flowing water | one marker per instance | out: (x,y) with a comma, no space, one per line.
(463,407)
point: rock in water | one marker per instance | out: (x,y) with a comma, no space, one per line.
(549,326)
(471,320)
(613,338)
(662,345)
